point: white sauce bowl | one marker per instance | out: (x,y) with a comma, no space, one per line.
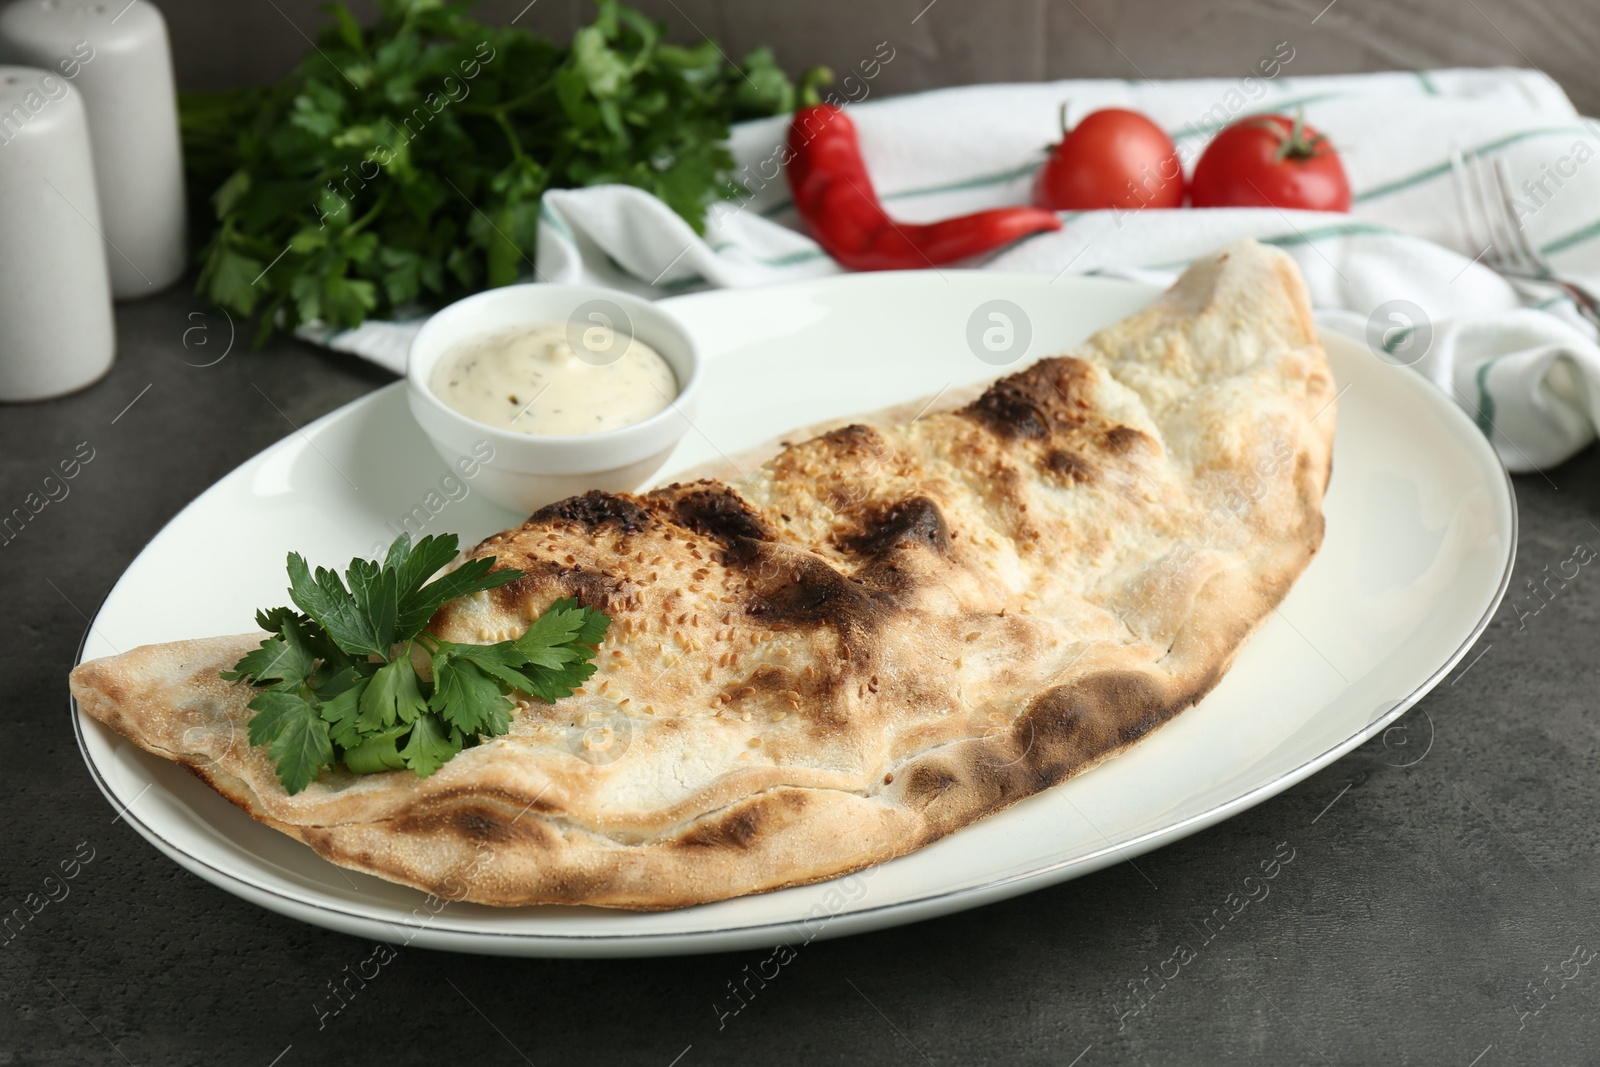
(528,471)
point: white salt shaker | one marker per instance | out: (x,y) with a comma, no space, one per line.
(117,56)
(56,331)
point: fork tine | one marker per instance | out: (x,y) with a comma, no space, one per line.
(1464,198)
(1475,185)
(1488,185)
(1508,210)
(1507,247)
(1501,250)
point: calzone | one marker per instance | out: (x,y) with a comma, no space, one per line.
(883,633)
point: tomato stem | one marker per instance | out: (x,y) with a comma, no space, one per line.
(1295,144)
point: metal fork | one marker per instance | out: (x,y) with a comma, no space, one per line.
(1489,215)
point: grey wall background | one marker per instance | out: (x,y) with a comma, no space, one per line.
(220,43)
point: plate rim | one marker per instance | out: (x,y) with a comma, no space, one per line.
(432,934)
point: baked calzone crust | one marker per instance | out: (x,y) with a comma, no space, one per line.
(884,633)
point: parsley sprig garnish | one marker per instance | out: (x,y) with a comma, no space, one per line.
(404,161)
(338,678)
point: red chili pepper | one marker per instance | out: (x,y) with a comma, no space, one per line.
(834,195)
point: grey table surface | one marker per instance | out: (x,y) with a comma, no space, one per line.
(1440,906)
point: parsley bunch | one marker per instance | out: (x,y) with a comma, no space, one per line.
(338,682)
(403,164)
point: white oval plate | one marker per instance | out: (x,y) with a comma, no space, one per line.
(1421,527)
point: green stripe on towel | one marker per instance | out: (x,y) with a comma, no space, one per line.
(970,183)
(1485,401)
(1576,237)
(1202,129)
(556,224)
(788,259)
(1337,229)
(1438,170)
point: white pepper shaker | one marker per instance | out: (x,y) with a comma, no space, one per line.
(56,332)
(117,56)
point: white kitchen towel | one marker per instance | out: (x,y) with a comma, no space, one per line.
(1399,270)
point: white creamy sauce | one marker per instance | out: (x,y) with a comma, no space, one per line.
(529,379)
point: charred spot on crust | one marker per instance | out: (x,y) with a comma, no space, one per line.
(814,695)
(771,679)
(1099,713)
(478,826)
(1069,467)
(595,509)
(765,681)
(803,589)
(925,784)
(857,442)
(1033,404)
(1138,728)
(1009,411)
(473,822)
(713,510)
(814,593)
(739,828)
(591,588)
(853,438)
(1123,439)
(451,801)
(913,521)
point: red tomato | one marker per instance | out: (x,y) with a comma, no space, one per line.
(1112,158)
(1270,161)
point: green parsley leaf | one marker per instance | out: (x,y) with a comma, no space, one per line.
(430,745)
(550,686)
(377,752)
(326,600)
(272,619)
(547,642)
(227,273)
(376,590)
(311,635)
(591,628)
(404,162)
(337,683)
(296,736)
(271,662)
(502,660)
(415,566)
(342,711)
(467,698)
(393,695)
(286,661)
